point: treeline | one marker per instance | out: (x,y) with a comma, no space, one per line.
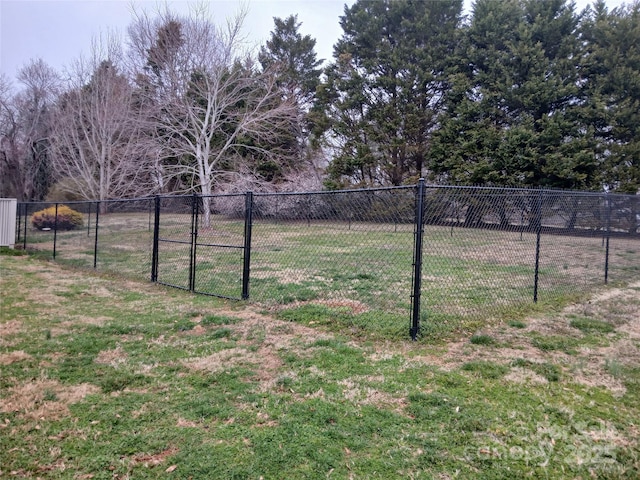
(517,93)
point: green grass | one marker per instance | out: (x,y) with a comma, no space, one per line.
(591,325)
(486,369)
(548,370)
(102,379)
(11,252)
(517,324)
(470,277)
(482,339)
(548,343)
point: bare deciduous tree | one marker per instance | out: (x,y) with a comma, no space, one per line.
(24,131)
(99,144)
(214,106)
(9,144)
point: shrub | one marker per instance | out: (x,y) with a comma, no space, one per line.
(68,219)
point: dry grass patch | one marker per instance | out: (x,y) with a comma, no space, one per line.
(44,399)
(9,333)
(354,306)
(587,365)
(525,376)
(10,328)
(152,460)
(274,333)
(114,358)
(222,360)
(260,339)
(183,423)
(13,357)
(98,321)
(286,275)
(360,394)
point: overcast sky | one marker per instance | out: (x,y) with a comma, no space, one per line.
(58,31)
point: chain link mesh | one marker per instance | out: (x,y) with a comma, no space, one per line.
(220,246)
(115,236)
(486,251)
(174,241)
(351,249)
(125,237)
(481,247)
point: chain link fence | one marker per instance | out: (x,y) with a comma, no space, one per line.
(115,236)
(490,250)
(449,258)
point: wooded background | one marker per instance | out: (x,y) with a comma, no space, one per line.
(518,93)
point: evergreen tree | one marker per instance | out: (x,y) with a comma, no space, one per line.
(292,57)
(611,75)
(385,92)
(515,119)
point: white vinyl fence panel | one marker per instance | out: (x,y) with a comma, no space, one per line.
(8,222)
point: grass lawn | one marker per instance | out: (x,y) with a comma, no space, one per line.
(357,272)
(106,378)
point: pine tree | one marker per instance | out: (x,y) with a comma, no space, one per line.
(385,91)
(611,75)
(514,120)
(292,58)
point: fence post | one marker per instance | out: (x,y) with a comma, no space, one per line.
(55,232)
(248,223)
(89,221)
(196,210)
(19,220)
(194,235)
(156,238)
(417,261)
(608,236)
(26,220)
(538,235)
(95,241)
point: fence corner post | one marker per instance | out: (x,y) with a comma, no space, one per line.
(248,223)
(95,240)
(194,242)
(55,231)
(26,220)
(156,239)
(608,236)
(417,261)
(538,220)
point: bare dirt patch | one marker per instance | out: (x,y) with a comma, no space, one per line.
(44,399)
(13,357)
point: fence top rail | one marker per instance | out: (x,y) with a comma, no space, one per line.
(84,202)
(496,191)
(335,192)
(530,190)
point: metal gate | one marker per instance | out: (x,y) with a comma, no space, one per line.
(202,244)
